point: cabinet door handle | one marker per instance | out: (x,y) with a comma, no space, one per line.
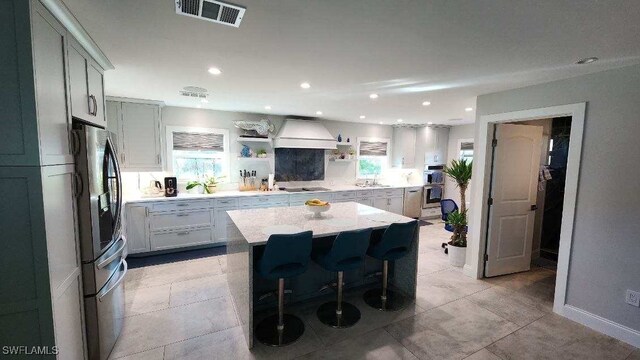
(182,233)
(158,158)
(182,204)
(77,185)
(93,100)
(182,215)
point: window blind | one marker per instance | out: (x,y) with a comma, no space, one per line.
(373,148)
(466,146)
(197,141)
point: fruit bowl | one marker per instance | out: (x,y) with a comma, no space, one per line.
(317,210)
(317,207)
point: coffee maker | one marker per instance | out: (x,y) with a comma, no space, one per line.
(170,187)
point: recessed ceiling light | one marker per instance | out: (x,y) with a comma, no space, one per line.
(588,60)
(305,85)
(468,109)
(381,123)
(214,71)
(268,107)
(362,116)
(198,106)
(204,101)
(373,96)
(426,103)
(399,120)
(318,112)
(430,123)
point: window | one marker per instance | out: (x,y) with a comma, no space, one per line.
(372,157)
(466,150)
(195,153)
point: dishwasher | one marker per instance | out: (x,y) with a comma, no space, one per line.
(412,202)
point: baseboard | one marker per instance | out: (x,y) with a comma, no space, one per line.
(600,324)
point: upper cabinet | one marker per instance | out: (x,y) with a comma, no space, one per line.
(435,143)
(404,147)
(86,85)
(136,126)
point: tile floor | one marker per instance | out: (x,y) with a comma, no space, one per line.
(183,310)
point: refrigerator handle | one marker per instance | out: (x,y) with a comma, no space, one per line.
(116,254)
(116,165)
(115,285)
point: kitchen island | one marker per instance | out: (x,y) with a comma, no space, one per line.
(251,229)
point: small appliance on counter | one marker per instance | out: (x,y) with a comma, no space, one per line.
(170,187)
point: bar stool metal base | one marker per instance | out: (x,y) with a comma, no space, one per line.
(267,330)
(328,316)
(395,301)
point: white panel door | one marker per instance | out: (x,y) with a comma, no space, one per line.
(514,191)
(78,83)
(137,229)
(381,203)
(96,93)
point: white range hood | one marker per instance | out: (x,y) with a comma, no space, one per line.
(304,134)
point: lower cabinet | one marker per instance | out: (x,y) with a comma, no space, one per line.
(172,224)
(181,238)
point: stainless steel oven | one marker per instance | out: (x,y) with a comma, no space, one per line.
(433,174)
(431,195)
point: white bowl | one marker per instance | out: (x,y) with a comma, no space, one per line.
(318,210)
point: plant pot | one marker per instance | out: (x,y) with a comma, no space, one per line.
(211,189)
(457,255)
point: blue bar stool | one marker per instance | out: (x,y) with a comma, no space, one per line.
(285,256)
(395,244)
(347,253)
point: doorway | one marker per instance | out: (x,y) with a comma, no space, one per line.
(483,152)
(526,195)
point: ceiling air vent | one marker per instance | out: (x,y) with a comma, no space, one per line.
(210,10)
(194,91)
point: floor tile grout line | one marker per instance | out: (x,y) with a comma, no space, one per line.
(401,344)
(137,352)
(177,306)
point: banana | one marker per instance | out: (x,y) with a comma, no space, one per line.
(316,202)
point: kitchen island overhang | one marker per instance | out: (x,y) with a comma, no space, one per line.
(250,229)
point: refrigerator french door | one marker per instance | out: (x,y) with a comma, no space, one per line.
(101,241)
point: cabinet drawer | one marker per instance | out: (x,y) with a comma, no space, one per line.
(226,203)
(263,200)
(175,205)
(386,193)
(165,221)
(169,240)
(365,193)
(343,196)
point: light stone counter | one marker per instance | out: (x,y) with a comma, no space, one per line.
(252,228)
(256,225)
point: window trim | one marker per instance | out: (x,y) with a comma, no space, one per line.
(169,130)
(459,148)
(386,158)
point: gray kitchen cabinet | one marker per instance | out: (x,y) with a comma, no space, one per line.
(391,200)
(113,116)
(436,144)
(86,86)
(396,205)
(403,147)
(223,223)
(138,135)
(59,204)
(137,228)
(54,122)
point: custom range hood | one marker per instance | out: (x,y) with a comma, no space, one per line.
(304,134)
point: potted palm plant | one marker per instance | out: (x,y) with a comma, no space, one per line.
(460,172)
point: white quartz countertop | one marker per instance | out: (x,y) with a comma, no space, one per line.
(236,193)
(256,225)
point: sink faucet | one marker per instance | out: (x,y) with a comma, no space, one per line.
(375,181)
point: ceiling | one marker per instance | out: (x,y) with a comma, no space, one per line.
(445,52)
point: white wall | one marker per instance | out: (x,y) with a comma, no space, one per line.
(457,133)
(335,172)
(605,254)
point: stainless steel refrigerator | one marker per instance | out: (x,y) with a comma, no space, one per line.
(101,242)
